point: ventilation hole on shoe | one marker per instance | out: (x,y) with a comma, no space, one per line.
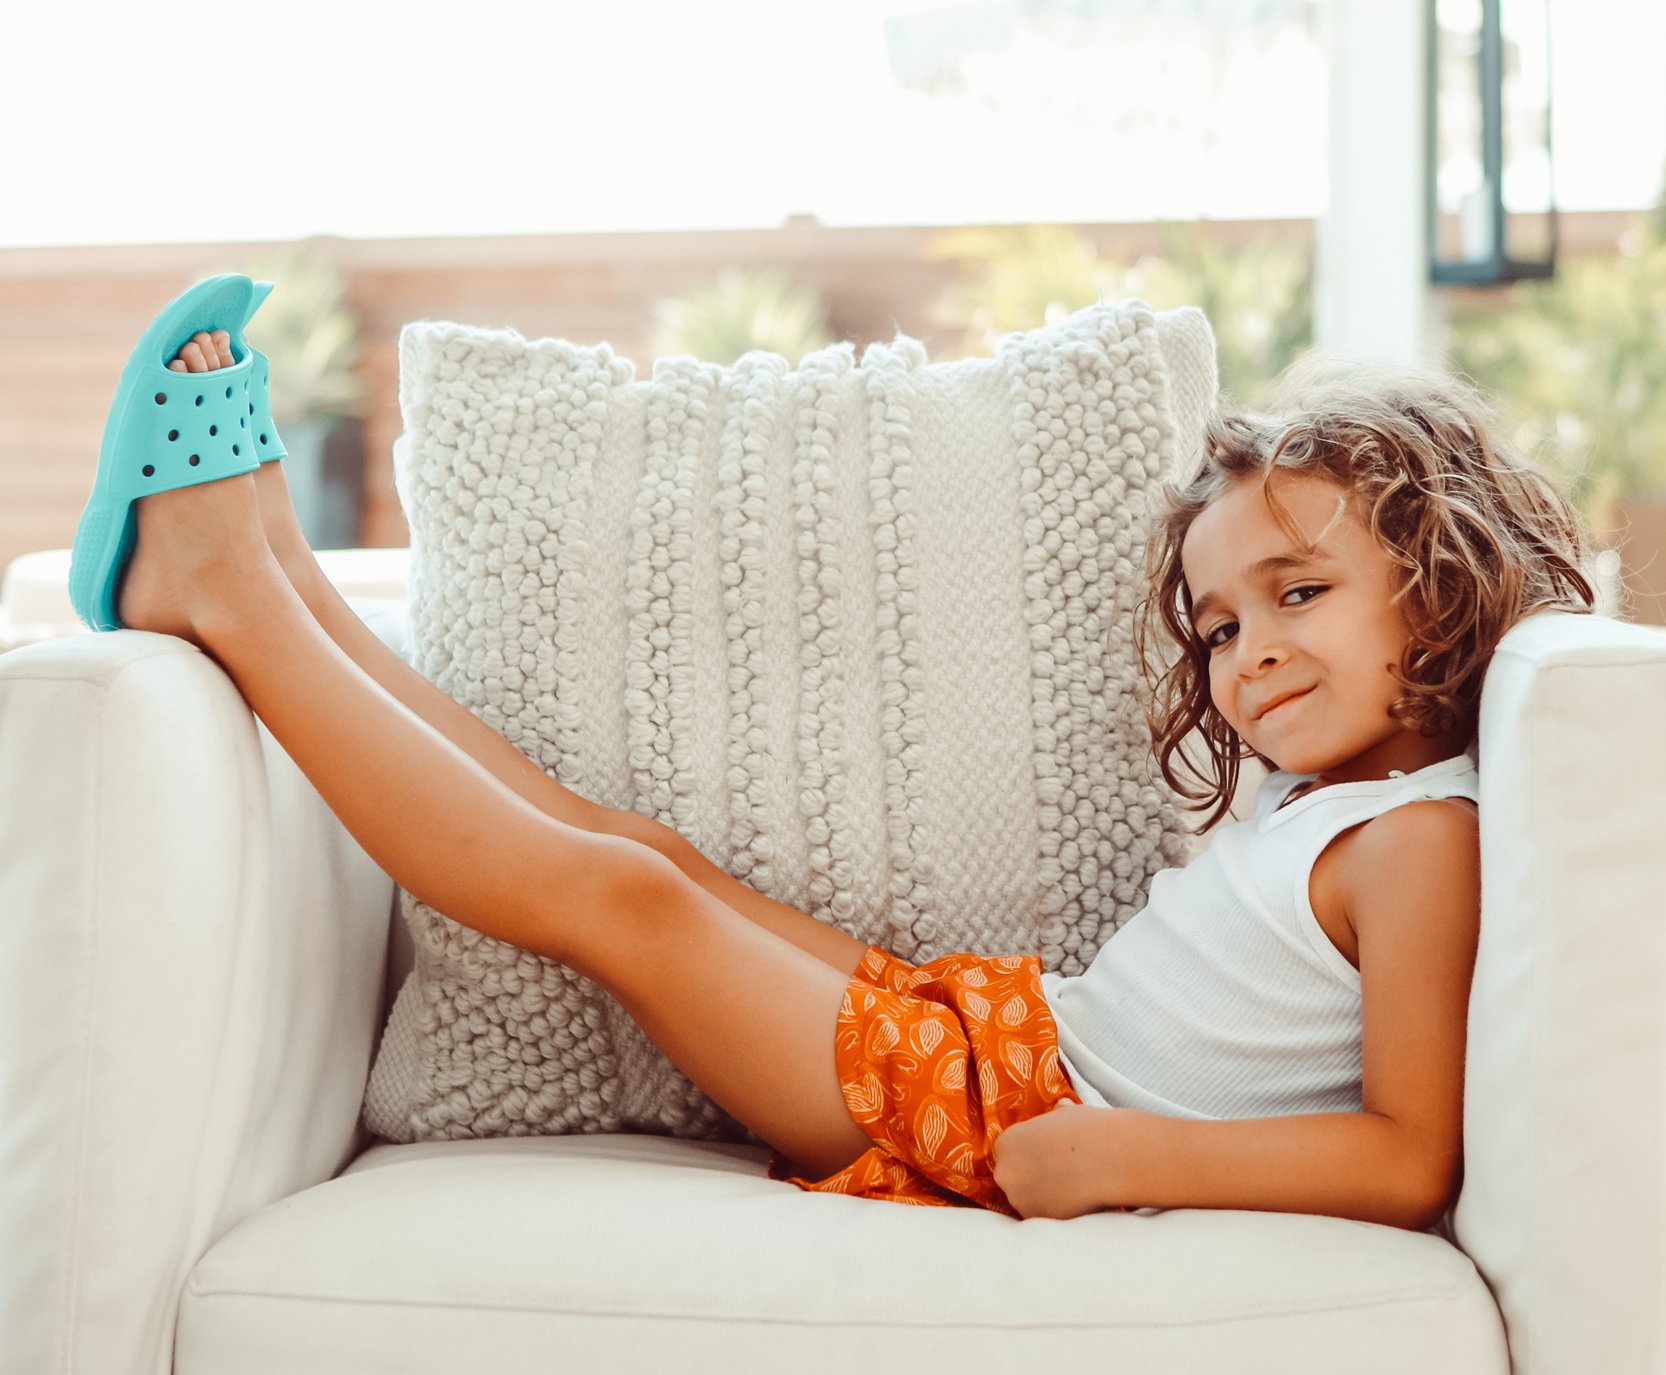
(199,400)
(251,410)
(148,471)
(173,434)
(214,429)
(263,439)
(161,398)
(228,393)
(235,449)
(195,459)
(242,422)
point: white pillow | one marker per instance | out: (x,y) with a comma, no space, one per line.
(861,632)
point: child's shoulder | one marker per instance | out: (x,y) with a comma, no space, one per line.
(1365,867)
(1442,832)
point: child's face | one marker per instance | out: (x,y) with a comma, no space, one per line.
(1275,632)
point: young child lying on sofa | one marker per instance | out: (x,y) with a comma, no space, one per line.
(1281,1028)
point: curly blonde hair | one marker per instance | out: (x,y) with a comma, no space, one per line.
(1483,538)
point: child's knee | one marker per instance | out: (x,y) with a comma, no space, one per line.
(635,882)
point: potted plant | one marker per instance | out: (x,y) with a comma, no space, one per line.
(311,339)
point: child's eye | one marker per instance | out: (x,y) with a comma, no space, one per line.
(1212,641)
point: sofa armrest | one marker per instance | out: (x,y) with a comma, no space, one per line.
(1565,1076)
(194,956)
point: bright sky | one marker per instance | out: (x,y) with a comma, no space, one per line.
(180,122)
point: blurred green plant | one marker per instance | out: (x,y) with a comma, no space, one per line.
(312,340)
(1259,299)
(1017,277)
(1581,362)
(739,312)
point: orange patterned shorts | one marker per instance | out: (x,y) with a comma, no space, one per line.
(936,1061)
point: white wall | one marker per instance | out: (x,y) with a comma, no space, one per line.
(1372,300)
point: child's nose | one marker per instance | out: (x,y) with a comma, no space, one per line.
(1260,646)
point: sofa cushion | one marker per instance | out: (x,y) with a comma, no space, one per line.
(1564,1099)
(860,632)
(634,1253)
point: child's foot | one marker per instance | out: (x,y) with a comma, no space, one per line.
(193,548)
(204,353)
(194,543)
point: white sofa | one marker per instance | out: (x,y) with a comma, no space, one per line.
(197,964)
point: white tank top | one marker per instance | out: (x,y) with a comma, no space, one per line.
(1223,997)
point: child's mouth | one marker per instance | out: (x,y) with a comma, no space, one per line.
(1296,697)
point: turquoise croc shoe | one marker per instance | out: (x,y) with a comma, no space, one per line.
(171,429)
(267,444)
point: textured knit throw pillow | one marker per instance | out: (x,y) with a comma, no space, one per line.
(860,631)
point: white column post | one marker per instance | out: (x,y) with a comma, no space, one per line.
(1372,299)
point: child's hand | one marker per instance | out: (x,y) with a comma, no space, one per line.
(1057,1164)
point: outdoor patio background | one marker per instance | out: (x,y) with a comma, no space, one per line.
(69,318)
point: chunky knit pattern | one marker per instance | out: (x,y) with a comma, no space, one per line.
(860,631)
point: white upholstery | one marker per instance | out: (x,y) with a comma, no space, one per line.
(188,995)
(648,1254)
(35,604)
(1563,1206)
(195,968)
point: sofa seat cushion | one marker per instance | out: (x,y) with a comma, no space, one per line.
(649,1253)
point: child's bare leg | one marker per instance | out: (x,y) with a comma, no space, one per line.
(747,1015)
(491,750)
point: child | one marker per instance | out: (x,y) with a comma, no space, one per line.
(1281,1028)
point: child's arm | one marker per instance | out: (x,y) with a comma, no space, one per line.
(1412,887)
(1077,1160)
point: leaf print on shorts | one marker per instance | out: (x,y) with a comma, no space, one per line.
(1017,1056)
(932,1127)
(988,1085)
(951,1072)
(883,1037)
(1048,1073)
(927,1035)
(865,1097)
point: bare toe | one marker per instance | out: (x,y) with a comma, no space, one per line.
(191,355)
(178,365)
(222,346)
(210,354)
